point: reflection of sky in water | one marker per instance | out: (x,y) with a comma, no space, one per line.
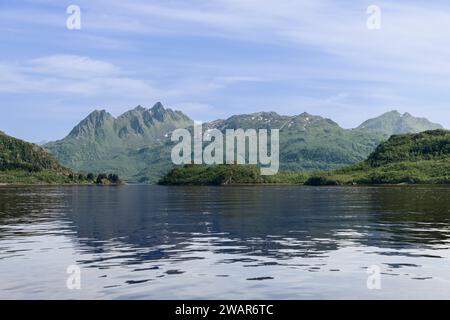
(240,242)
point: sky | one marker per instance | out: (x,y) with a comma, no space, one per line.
(215,58)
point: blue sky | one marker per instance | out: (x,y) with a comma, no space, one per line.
(215,58)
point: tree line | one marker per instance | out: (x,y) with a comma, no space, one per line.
(101,178)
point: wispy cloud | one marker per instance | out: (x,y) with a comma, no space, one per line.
(222,57)
(80,78)
(70,74)
(71,66)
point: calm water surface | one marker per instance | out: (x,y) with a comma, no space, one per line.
(274,242)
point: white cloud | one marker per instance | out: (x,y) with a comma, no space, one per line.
(79,75)
(71,74)
(71,66)
(412,38)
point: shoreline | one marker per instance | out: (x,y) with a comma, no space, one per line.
(3,184)
(305,185)
(59,185)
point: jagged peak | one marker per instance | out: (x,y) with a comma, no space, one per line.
(139,108)
(158,107)
(133,112)
(99,114)
(95,119)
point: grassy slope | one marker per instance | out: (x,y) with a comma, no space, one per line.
(16,154)
(26,163)
(407,158)
(409,172)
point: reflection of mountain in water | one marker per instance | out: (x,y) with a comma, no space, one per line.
(256,220)
(152,222)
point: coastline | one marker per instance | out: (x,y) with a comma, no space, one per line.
(2,184)
(305,185)
(225,185)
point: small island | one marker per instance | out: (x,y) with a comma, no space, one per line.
(422,158)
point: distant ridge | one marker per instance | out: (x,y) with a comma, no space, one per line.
(394,122)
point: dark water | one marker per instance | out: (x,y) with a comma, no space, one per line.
(278,242)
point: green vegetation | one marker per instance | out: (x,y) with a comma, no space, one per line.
(32,177)
(422,158)
(137,144)
(226,174)
(409,158)
(25,163)
(430,145)
(16,154)
(46,177)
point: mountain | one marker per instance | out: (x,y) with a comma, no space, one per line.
(308,142)
(128,144)
(136,127)
(394,122)
(137,144)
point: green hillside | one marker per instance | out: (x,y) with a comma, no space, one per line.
(409,158)
(309,142)
(26,163)
(429,145)
(16,154)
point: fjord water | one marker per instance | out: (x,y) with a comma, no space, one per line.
(249,242)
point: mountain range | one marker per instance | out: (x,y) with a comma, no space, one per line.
(137,145)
